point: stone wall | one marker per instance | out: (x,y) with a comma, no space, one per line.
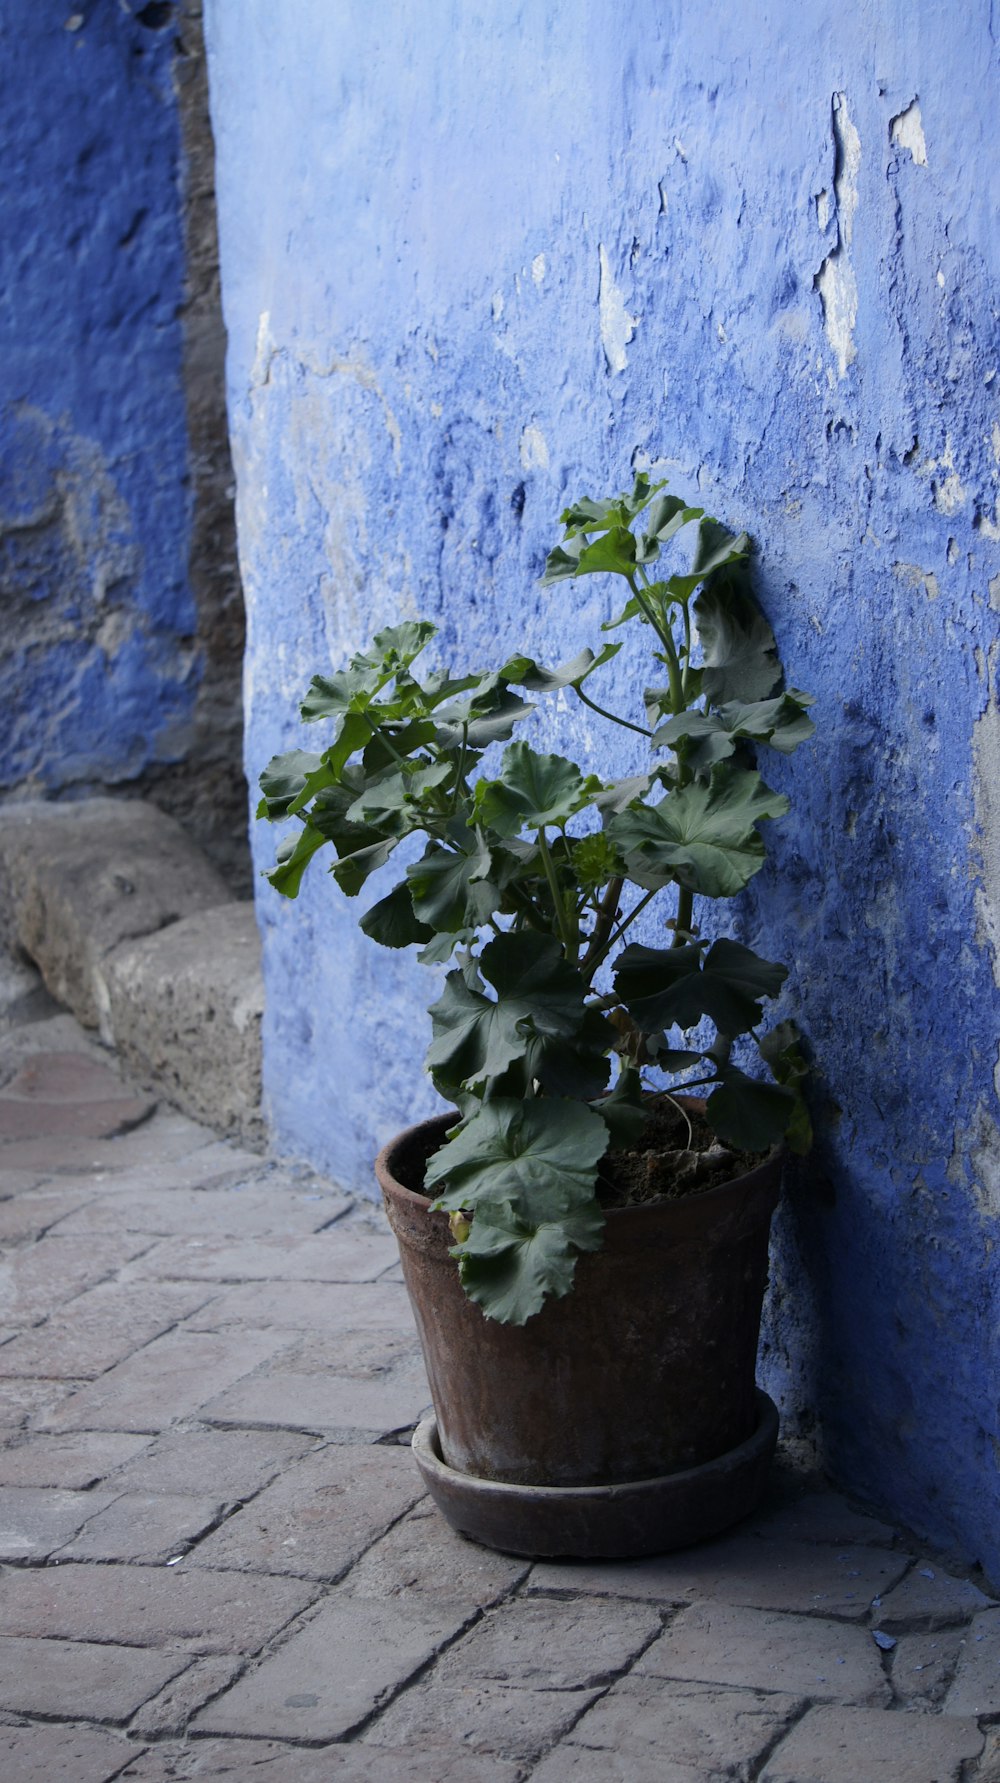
(477,264)
(121,657)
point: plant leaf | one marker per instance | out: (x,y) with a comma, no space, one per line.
(661,987)
(532,791)
(450,887)
(486,717)
(741,660)
(289,781)
(750,1115)
(539,998)
(702,835)
(540,1155)
(293,856)
(511,1262)
(392,921)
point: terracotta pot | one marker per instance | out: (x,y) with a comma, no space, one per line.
(645,1370)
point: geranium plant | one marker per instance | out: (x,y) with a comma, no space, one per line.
(534,873)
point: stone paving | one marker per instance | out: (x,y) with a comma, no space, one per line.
(218,1560)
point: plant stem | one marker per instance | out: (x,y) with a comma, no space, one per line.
(460,771)
(607,910)
(568,941)
(626,723)
(682,921)
(625,923)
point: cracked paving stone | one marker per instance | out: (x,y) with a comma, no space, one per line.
(268,1761)
(477,1717)
(862,1746)
(233,1464)
(422,1555)
(101,1327)
(742,1570)
(147,1527)
(976,1686)
(326,1402)
(552,1644)
(26,1217)
(311,1307)
(927,1599)
(319,1516)
(768,1650)
(171,1378)
(45,1753)
(21,1402)
(68,1095)
(42,1280)
(693,1733)
(73,1463)
(81,1679)
(232,1211)
(151,1605)
(36,1520)
(170,1711)
(923,1666)
(333,1673)
(349,1255)
(818,1516)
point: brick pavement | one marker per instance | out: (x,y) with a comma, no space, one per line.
(218,1562)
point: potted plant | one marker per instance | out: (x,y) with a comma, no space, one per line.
(586,1255)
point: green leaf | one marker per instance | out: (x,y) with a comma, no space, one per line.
(481,719)
(349,690)
(621,793)
(598,516)
(613,551)
(289,781)
(532,791)
(712,737)
(749,1115)
(293,857)
(622,1111)
(701,835)
(450,887)
(540,1155)
(351,870)
(661,987)
(510,1262)
(741,661)
(394,800)
(781,1050)
(539,997)
(392,922)
(526,672)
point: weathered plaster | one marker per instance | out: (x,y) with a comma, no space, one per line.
(774,337)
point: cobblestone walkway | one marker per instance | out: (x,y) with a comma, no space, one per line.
(217,1561)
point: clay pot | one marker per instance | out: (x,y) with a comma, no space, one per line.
(642,1375)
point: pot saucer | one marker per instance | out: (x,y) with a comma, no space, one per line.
(617,1522)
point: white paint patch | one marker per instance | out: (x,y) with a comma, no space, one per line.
(617,326)
(914,577)
(538,268)
(995,594)
(264,352)
(836,281)
(949,492)
(823,209)
(996,441)
(986,792)
(907,132)
(534,451)
(497,305)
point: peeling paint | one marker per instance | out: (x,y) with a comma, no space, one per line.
(986,792)
(907,132)
(836,280)
(534,453)
(617,326)
(915,577)
(538,268)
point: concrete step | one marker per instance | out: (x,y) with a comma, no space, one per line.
(133,930)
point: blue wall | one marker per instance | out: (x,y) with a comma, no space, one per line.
(477,263)
(97,674)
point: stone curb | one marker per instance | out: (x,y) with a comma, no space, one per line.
(134,931)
